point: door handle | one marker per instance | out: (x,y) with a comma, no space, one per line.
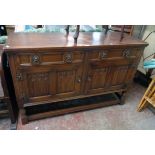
(126,53)
(89,78)
(35,60)
(79,80)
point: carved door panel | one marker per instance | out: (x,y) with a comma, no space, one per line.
(107,69)
(122,75)
(108,75)
(68,80)
(35,86)
(104,78)
(40,84)
(97,78)
(118,75)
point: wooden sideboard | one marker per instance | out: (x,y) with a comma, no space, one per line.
(49,68)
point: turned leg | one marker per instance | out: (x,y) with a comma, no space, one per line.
(122,32)
(106,27)
(122,100)
(67,30)
(76,33)
(121,96)
(23,116)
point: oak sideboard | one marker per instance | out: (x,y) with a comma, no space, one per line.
(52,75)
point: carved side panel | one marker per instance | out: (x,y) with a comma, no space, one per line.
(97,79)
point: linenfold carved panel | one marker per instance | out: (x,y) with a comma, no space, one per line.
(38,84)
(119,75)
(66,81)
(98,77)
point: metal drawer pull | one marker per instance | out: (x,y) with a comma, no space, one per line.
(19,76)
(35,59)
(126,53)
(79,80)
(68,58)
(89,78)
(103,55)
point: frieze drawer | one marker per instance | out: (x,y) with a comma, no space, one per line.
(32,59)
(127,53)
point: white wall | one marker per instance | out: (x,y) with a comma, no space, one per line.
(150,48)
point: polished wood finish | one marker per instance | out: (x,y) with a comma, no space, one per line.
(18,42)
(49,67)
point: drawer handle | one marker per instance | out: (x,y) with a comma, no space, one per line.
(68,58)
(89,79)
(19,76)
(79,80)
(103,55)
(126,53)
(35,59)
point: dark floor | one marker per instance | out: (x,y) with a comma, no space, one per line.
(4,124)
(113,117)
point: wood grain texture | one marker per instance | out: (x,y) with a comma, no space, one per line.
(47,68)
(86,40)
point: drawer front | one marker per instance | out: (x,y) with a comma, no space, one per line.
(114,54)
(47,58)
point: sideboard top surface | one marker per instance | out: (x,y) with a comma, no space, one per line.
(26,41)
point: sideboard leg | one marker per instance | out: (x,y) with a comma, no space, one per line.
(76,33)
(23,116)
(121,96)
(122,99)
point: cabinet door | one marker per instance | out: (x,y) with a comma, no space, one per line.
(97,77)
(45,83)
(118,75)
(108,71)
(102,78)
